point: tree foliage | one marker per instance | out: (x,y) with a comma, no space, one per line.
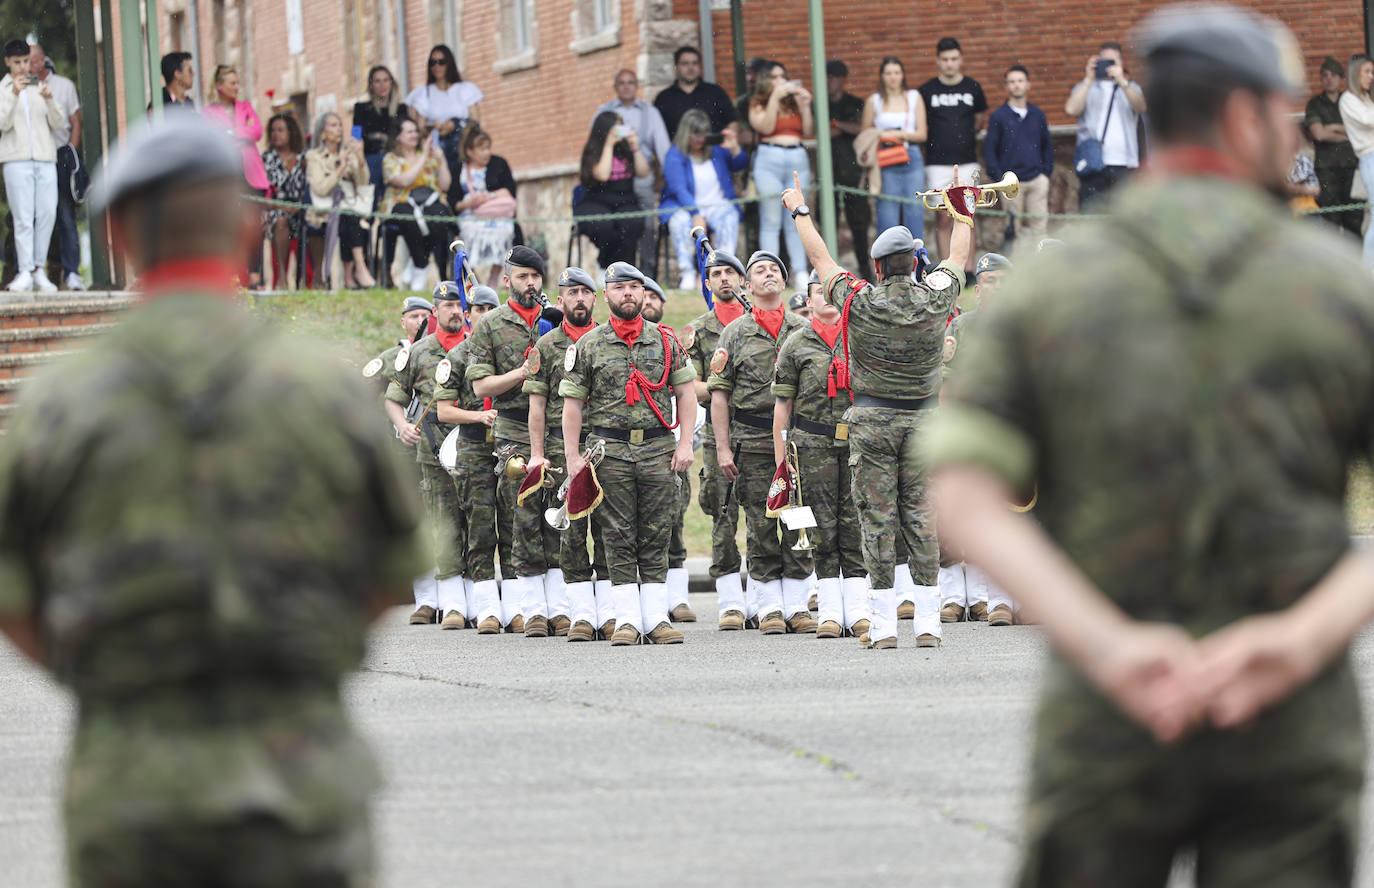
(51,23)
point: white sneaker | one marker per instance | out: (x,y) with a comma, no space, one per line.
(22,283)
(74,281)
(40,280)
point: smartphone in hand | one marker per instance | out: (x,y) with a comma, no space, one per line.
(357,132)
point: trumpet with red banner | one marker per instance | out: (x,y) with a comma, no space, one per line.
(785,499)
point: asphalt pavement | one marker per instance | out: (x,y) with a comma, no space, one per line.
(732,759)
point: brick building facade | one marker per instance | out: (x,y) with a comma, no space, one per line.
(545,65)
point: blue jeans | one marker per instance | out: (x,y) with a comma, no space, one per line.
(1367,176)
(773,168)
(904,181)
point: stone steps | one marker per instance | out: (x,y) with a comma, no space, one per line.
(37,329)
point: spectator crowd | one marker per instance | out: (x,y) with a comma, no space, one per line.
(684,160)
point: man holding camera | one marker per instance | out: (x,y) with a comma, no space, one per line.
(29,121)
(645,120)
(1108,106)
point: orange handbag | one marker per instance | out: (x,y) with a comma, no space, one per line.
(892,153)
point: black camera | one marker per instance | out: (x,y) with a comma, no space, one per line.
(714,138)
(1102,66)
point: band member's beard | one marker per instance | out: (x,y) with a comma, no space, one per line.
(578,318)
(453,326)
(726,295)
(653,315)
(628,313)
(526,299)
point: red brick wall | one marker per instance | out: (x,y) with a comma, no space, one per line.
(1052,39)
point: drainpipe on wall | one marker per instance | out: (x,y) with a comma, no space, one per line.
(402,60)
(708,42)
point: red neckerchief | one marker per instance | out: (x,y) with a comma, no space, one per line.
(1193,160)
(209,274)
(837,377)
(728,311)
(576,333)
(828,332)
(770,319)
(528,315)
(449,340)
(628,331)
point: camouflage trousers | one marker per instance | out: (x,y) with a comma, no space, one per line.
(771,556)
(1274,804)
(636,517)
(446,520)
(677,546)
(534,544)
(477,504)
(711,495)
(577,563)
(825,483)
(889,479)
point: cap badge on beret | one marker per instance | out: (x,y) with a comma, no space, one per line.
(984,263)
(564,278)
(711,257)
(443,289)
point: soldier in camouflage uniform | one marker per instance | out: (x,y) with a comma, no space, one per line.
(1189,381)
(742,418)
(655,300)
(588,581)
(501,346)
(725,276)
(419,373)
(194,540)
(623,377)
(965,589)
(811,392)
(474,478)
(894,331)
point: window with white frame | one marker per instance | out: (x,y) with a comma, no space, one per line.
(595,25)
(519,36)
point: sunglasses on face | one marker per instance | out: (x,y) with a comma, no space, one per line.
(433,62)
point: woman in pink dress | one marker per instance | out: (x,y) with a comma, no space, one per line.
(224,109)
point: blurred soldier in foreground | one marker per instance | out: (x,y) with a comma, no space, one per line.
(1192,437)
(194,539)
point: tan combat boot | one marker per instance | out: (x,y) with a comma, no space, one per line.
(537,627)
(952,613)
(489,626)
(860,628)
(801,623)
(926,640)
(423,616)
(730,621)
(454,620)
(1000,616)
(829,629)
(978,612)
(560,625)
(906,611)
(772,624)
(581,631)
(883,644)
(664,634)
(683,614)
(517,625)
(607,630)
(625,634)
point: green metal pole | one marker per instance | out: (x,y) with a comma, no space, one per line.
(131,46)
(154,58)
(825,171)
(88,80)
(737,43)
(107,67)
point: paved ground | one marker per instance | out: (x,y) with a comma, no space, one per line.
(730,760)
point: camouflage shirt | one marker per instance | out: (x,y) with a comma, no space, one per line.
(500,342)
(742,367)
(1191,433)
(417,377)
(386,369)
(544,372)
(956,336)
(597,371)
(803,374)
(459,392)
(896,331)
(700,338)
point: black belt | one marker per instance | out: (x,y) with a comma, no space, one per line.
(558,433)
(750,419)
(895,403)
(475,431)
(838,431)
(514,413)
(633,436)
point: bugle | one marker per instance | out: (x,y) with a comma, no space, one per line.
(558,518)
(793,461)
(1009,186)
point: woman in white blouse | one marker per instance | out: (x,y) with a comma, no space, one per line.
(445,103)
(1357,113)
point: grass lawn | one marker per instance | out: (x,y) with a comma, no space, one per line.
(363,323)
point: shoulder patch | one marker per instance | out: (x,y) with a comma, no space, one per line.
(939,280)
(951,344)
(372,368)
(532,363)
(443,371)
(689,336)
(719,360)
(402,358)
(570,358)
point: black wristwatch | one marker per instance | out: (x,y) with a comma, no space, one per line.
(802,210)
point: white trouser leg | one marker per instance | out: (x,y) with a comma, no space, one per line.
(794,597)
(906,586)
(450,595)
(487,600)
(977,583)
(511,605)
(605,602)
(751,597)
(677,586)
(470,598)
(582,603)
(996,596)
(769,598)
(813,586)
(628,611)
(856,604)
(830,601)
(883,621)
(426,590)
(532,597)
(953,587)
(729,593)
(927,620)
(556,592)
(654,598)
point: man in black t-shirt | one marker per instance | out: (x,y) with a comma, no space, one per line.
(955,107)
(690,91)
(1331,152)
(846,115)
